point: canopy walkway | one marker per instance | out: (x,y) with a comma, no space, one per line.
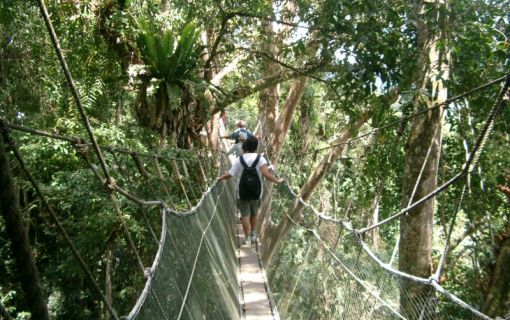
(193,271)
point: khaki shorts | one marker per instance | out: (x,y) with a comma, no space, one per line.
(248,207)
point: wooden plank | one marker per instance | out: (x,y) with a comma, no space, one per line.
(255,300)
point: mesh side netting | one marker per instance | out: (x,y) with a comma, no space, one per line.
(195,272)
(322,272)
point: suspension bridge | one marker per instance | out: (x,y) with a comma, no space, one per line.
(193,270)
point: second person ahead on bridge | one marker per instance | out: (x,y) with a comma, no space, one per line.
(249,170)
(241,128)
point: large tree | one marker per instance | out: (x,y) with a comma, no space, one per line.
(423,149)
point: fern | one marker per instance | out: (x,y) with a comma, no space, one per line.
(91,94)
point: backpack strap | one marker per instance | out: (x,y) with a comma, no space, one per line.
(243,162)
(253,165)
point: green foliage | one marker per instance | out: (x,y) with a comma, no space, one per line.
(169,58)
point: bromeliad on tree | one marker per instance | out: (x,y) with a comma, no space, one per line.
(170,99)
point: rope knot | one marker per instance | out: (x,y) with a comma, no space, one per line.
(81,146)
(433,278)
(111,184)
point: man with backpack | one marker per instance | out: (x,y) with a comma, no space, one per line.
(237,148)
(241,128)
(249,170)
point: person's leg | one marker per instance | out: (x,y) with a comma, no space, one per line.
(244,208)
(254,207)
(245,221)
(253,223)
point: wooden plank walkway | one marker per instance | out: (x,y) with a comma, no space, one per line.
(255,301)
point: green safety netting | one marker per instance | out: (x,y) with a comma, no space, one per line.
(194,275)
(323,270)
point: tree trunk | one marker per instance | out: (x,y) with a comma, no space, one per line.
(497,300)
(415,246)
(274,127)
(20,245)
(285,120)
(108,272)
(273,240)
(305,127)
(270,97)
(373,219)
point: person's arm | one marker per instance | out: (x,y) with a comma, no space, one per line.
(234,170)
(267,174)
(229,152)
(224,176)
(232,135)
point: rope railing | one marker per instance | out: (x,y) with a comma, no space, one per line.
(72,86)
(108,181)
(469,164)
(445,104)
(202,237)
(111,148)
(391,272)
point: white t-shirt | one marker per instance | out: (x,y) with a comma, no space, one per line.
(237,168)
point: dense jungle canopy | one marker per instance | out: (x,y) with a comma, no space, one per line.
(363,106)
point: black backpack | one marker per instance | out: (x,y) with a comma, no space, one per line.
(249,184)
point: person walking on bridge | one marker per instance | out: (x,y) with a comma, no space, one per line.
(249,169)
(241,128)
(237,148)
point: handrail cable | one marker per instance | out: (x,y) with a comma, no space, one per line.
(111,187)
(158,258)
(300,273)
(426,281)
(468,165)
(471,162)
(109,180)
(111,148)
(73,88)
(418,113)
(349,271)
